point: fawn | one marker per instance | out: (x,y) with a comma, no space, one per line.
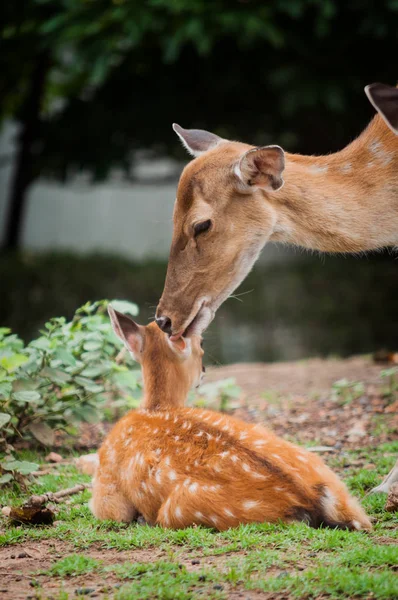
(181,466)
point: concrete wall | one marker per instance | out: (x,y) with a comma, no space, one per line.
(134,220)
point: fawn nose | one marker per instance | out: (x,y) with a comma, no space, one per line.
(164,323)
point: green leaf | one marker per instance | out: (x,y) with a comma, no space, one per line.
(124,306)
(26,467)
(86,413)
(24,384)
(92,346)
(27,396)
(90,356)
(11,363)
(42,432)
(65,357)
(4,419)
(4,331)
(89,384)
(55,375)
(5,478)
(5,388)
(11,465)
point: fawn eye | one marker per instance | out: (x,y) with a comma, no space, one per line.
(201,227)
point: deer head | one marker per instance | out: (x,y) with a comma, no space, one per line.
(221,223)
(170,368)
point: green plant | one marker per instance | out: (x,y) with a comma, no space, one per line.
(63,377)
(345,392)
(219,394)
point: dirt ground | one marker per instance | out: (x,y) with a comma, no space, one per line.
(20,568)
(296,399)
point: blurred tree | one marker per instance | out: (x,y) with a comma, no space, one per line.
(92,81)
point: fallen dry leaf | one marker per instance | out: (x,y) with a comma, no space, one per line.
(392,498)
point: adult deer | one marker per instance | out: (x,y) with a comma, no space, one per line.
(233,198)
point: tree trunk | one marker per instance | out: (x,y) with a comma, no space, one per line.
(24,171)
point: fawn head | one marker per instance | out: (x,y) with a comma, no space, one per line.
(221,223)
(169,368)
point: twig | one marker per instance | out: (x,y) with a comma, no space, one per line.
(120,357)
(56,496)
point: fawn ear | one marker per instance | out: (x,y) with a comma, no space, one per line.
(182,347)
(131,334)
(196,141)
(385,100)
(261,168)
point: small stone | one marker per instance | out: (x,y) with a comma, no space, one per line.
(84,591)
(53,457)
(23,555)
(34,583)
(218,586)
(282,574)
(202,578)
(196,561)
(12,556)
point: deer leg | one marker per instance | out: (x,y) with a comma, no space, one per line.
(387,482)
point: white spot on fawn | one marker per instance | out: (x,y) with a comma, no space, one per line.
(318,169)
(176,437)
(234,458)
(229,513)
(193,487)
(302,458)
(178,512)
(259,443)
(224,454)
(172,475)
(198,515)
(249,504)
(259,476)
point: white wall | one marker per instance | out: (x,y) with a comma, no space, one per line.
(114,217)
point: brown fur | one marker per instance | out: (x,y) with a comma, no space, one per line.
(184,466)
(344,202)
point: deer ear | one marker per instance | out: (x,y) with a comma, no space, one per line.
(131,334)
(385,100)
(196,141)
(262,168)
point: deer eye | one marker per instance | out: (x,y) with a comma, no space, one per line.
(201,227)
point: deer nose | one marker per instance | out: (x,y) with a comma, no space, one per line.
(164,323)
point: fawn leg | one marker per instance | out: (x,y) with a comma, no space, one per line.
(109,503)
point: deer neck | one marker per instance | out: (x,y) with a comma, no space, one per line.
(344,202)
(164,388)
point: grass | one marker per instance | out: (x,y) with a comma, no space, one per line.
(290,559)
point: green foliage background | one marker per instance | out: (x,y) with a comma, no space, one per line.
(120,71)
